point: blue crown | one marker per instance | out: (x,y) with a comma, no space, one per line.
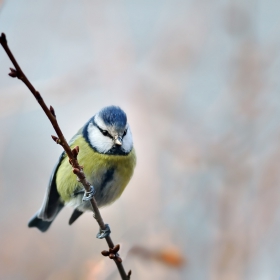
(113,116)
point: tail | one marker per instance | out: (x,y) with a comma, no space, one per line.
(41,224)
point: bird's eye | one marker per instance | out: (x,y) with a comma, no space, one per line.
(105,132)
(124,133)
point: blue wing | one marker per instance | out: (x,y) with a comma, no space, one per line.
(51,204)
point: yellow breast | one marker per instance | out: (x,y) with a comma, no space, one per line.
(95,167)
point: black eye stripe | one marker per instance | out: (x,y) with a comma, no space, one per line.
(104,132)
(124,133)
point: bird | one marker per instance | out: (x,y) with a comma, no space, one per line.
(108,157)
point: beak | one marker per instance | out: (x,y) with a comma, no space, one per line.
(118,141)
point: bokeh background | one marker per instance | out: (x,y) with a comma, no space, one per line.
(199,81)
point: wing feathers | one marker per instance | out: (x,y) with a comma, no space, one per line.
(51,204)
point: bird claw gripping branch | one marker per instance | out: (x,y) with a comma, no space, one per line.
(88,195)
(103,232)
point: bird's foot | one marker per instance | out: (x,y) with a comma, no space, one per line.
(89,195)
(103,232)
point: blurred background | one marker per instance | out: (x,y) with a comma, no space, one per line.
(199,81)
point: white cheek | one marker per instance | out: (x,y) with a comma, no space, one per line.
(127,141)
(98,140)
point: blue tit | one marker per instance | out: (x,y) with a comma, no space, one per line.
(108,157)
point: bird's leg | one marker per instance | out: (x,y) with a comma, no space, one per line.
(88,195)
(103,232)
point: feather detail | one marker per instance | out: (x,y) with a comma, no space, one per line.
(95,167)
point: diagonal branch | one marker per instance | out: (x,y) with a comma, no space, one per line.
(72,154)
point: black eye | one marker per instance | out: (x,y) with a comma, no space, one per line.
(105,132)
(124,133)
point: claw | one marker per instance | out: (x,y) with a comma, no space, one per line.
(89,195)
(103,232)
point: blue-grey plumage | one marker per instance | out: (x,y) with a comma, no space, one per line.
(108,157)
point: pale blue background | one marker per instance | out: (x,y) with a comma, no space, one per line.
(199,81)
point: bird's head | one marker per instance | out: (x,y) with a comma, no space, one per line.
(108,132)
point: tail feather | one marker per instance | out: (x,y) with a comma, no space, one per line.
(41,224)
(76,214)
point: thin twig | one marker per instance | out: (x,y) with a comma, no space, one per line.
(72,154)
